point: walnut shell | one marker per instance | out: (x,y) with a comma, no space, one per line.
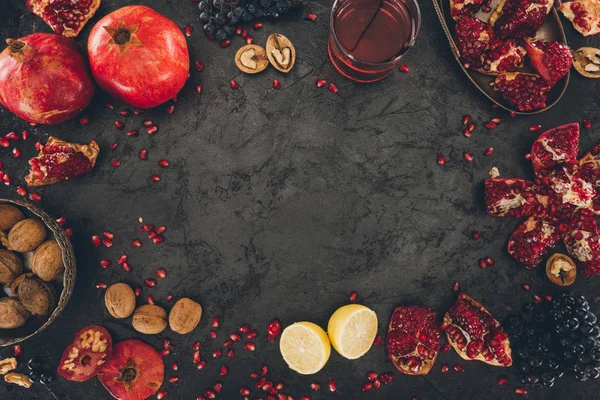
(26,235)
(185,316)
(9,216)
(10,266)
(251,59)
(149,319)
(586,61)
(281,52)
(37,296)
(120,300)
(12,313)
(561,269)
(47,262)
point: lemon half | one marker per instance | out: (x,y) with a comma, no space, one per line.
(305,347)
(352,329)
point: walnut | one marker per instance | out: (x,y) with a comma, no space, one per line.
(7,365)
(251,59)
(586,61)
(12,313)
(18,379)
(185,316)
(120,300)
(149,319)
(27,235)
(47,262)
(561,269)
(10,266)
(9,216)
(37,296)
(281,52)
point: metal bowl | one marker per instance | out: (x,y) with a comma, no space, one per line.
(35,325)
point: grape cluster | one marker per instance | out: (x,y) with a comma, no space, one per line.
(560,337)
(219,17)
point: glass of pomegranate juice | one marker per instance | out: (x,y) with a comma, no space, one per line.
(367,38)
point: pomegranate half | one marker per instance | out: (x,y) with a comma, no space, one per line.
(44,78)
(138,56)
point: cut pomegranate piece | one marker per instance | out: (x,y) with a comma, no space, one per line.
(465,7)
(413,340)
(525,92)
(134,372)
(512,198)
(584,14)
(552,60)
(589,168)
(59,160)
(555,146)
(530,242)
(472,37)
(569,188)
(502,56)
(583,241)
(475,334)
(86,356)
(519,18)
(65,17)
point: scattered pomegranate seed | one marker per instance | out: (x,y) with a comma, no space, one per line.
(161,394)
(17,153)
(150,282)
(21,191)
(84,120)
(199,66)
(535,127)
(7,179)
(131,133)
(257,25)
(377,341)
(228,343)
(472,127)
(445,368)
(224,370)
(154,178)
(115,163)
(367,387)
(147,122)
(496,120)
(4,142)
(244,328)
(254,375)
(143,154)
(244,391)
(96,240)
(122,259)
(160,229)
(137,291)
(332,385)
(490,261)
(249,39)
(216,353)
(274,330)
(252,334)
(109,106)
(17,350)
(150,300)
(173,379)
(225,43)
(353,296)
(489,125)
(310,17)
(218,386)
(136,243)
(456,287)
(138,111)
(250,346)
(476,235)
(69,233)
(467,119)
(321,82)
(235,337)
(188,30)
(107,242)
(114,146)
(264,370)
(201,364)
(446,348)
(587,123)
(513,114)
(468,156)
(537,299)
(163,163)
(105,263)
(165,352)
(458,368)
(196,357)
(502,380)
(315,386)
(152,129)
(527,287)
(233,84)
(488,152)
(25,135)
(119,125)
(174,366)
(196,346)
(441,160)
(127,267)
(244,33)
(161,273)
(215,322)
(213,334)
(101,285)
(482,264)
(521,391)
(170,109)
(548,297)
(35,196)
(276,84)
(332,88)
(467,132)
(404,68)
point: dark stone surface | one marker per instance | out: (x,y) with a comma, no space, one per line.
(279,203)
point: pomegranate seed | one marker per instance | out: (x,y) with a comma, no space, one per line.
(441,160)
(521,391)
(353,296)
(114,146)
(105,263)
(161,394)
(143,154)
(535,127)
(7,179)
(502,380)
(228,343)
(216,353)
(476,235)
(446,348)
(174,366)
(150,282)
(196,357)
(150,300)
(489,125)
(161,273)
(490,261)
(377,341)
(404,68)
(225,43)
(444,368)
(235,337)
(458,368)
(482,264)
(527,287)
(513,114)
(96,240)
(224,370)
(152,129)
(321,83)
(196,346)
(244,328)
(136,243)
(101,285)
(12,136)
(238,30)
(188,30)
(467,119)
(122,259)
(467,132)
(244,391)
(488,152)
(201,365)
(21,191)
(244,34)
(109,106)
(372,375)
(25,135)
(17,350)
(35,197)
(548,297)
(274,329)
(376,384)
(154,178)
(115,163)
(137,291)
(496,120)
(587,123)
(108,235)
(264,370)
(315,386)
(84,120)
(456,287)
(310,17)
(332,88)
(147,122)
(165,352)
(233,84)
(218,386)
(276,84)
(138,111)
(249,39)
(107,242)
(198,89)
(468,156)
(213,334)
(125,112)
(173,379)
(215,322)
(537,299)
(252,334)
(163,163)
(127,267)
(131,133)
(367,387)
(254,375)
(17,153)
(119,125)
(332,385)
(472,127)
(257,25)
(250,346)
(230,353)
(170,109)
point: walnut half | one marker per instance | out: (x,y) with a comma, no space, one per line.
(251,59)
(586,61)
(18,379)
(281,52)
(561,269)
(7,365)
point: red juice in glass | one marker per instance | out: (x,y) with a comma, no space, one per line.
(368,37)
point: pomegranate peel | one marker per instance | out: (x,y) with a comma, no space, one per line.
(475,334)
(86,356)
(584,14)
(59,160)
(413,339)
(552,60)
(66,18)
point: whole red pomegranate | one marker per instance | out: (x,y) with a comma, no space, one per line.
(138,56)
(44,79)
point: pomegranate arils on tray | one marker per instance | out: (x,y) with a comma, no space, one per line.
(413,340)
(519,18)
(525,92)
(462,7)
(475,334)
(472,37)
(502,56)
(65,17)
(552,60)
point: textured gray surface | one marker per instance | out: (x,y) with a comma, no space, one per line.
(279,203)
